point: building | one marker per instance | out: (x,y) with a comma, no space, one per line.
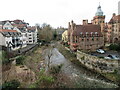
(85,37)
(65,36)
(21,27)
(113,30)
(10,39)
(99,19)
(10,29)
(88,36)
(32,35)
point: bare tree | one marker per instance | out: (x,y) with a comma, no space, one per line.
(45,32)
(49,57)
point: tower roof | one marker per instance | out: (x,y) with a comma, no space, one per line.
(99,11)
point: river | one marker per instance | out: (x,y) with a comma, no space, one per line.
(80,77)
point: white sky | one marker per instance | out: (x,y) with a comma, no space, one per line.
(55,12)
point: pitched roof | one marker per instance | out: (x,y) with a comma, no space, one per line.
(114,19)
(87,30)
(31,29)
(19,25)
(7,30)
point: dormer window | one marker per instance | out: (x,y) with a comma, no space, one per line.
(96,32)
(86,32)
(81,33)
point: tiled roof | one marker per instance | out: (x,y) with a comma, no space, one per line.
(7,30)
(87,30)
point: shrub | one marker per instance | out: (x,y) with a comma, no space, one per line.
(47,79)
(82,58)
(101,57)
(4,57)
(114,47)
(19,60)
(11,84)
(55,69)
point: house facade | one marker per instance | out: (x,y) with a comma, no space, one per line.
(32,35)
(14,31)
(88,36)
(85,37)
(65,36)
(10,39)
(113,30)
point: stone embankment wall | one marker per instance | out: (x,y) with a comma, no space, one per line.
(98,64)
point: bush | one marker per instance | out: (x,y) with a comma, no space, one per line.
(114,47)
(56,69)
(19,60)
(4,57)
(11,84)
(47,79)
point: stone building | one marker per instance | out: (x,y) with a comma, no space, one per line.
(88,36)
(113,30)
(99,19)
(85,37)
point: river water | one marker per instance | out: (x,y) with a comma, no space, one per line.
(81,77)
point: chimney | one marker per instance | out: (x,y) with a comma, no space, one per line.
(72,25)
(85,22)
(69,26)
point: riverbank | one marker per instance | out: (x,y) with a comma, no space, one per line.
(72,57)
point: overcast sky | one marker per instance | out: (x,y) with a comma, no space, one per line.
(55,12)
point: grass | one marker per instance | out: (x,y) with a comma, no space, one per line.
(34,59)
(67,54)
(113,76)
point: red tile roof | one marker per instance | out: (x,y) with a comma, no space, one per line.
(7,30)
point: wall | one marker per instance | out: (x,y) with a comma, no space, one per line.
(97,64)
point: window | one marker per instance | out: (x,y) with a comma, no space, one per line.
(82,39)
(92,38)
(87,39)
(86,32)
(96,32)
(81,33)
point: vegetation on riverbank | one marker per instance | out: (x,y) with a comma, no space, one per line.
(72,57)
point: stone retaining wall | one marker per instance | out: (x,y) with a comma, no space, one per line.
(97,64)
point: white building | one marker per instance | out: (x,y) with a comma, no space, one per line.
(9,29)
(10,39)
(32,35)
